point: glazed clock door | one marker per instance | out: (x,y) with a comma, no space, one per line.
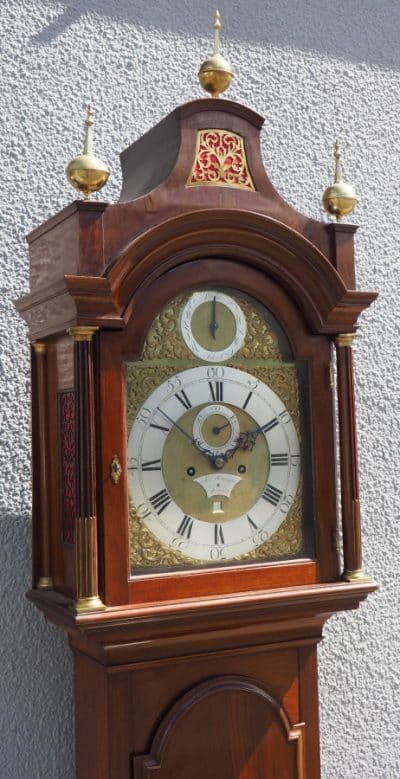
(217,438)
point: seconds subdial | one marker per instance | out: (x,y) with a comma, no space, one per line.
(216,428)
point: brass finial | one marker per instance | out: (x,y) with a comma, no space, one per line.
(216,74)
(86,172)
(339,198)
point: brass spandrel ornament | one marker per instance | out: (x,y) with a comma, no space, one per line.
(339,199)
(148,552)
(164,340)
(215,73)
(86,172)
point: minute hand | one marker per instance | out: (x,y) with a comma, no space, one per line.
(214,323)
(215,459)
(193,441)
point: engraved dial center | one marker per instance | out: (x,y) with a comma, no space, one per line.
(195,481)
(216,428)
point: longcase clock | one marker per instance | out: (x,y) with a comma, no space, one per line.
(185,516)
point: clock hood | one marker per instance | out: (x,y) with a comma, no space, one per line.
(194,186)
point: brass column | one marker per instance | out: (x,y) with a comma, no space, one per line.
(87,594)
(350,492)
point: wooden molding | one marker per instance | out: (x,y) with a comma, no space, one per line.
(259,241)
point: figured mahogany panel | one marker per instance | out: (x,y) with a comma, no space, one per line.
(91,720)
(64,444)
(229,727)
(342,250)
(70,242)
(67,436)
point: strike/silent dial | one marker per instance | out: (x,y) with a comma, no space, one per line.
(213,326)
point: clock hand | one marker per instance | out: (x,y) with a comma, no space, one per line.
(217,460)
(245,441)
(217,429)
(176,425)
(214,323)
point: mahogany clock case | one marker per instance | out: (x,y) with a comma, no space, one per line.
(200,650)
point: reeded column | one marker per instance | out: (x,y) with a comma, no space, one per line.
(86,522)
(350,491)
(45,580)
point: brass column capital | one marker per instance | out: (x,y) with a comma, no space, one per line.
(39,347)
(345,339)
(82,332)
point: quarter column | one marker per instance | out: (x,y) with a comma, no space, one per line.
(87,588)
(45,581)
(350,492)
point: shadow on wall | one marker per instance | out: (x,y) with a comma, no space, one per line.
(361,31)
(36,719)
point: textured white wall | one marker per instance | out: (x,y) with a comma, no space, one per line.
(316,70)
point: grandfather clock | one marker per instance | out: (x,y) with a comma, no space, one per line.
(185,521)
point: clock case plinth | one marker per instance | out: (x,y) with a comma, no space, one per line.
(186,647)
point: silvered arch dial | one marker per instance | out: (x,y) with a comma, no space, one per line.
(213,325)
(214,462)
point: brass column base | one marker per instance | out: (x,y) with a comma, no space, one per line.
(83,605)
(45,583)
(356,576)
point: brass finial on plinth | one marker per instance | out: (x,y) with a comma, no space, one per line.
(86,172)
(216,74)
(339,198)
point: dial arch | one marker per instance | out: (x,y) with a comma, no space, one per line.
(245,237)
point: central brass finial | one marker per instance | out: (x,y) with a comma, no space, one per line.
(339,198)
(86,172)
(217,27)
(216,74)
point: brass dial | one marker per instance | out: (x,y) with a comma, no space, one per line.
(213,496)
(213,325)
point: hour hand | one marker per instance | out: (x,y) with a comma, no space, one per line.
(214,323)
(246,441)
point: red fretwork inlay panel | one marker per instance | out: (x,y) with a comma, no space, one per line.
(220,160)
(66,411)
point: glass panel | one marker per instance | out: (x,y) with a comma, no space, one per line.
(217,438)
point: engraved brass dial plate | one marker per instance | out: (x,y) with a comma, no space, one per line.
(214,447)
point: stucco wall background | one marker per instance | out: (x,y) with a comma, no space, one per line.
(315,70)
